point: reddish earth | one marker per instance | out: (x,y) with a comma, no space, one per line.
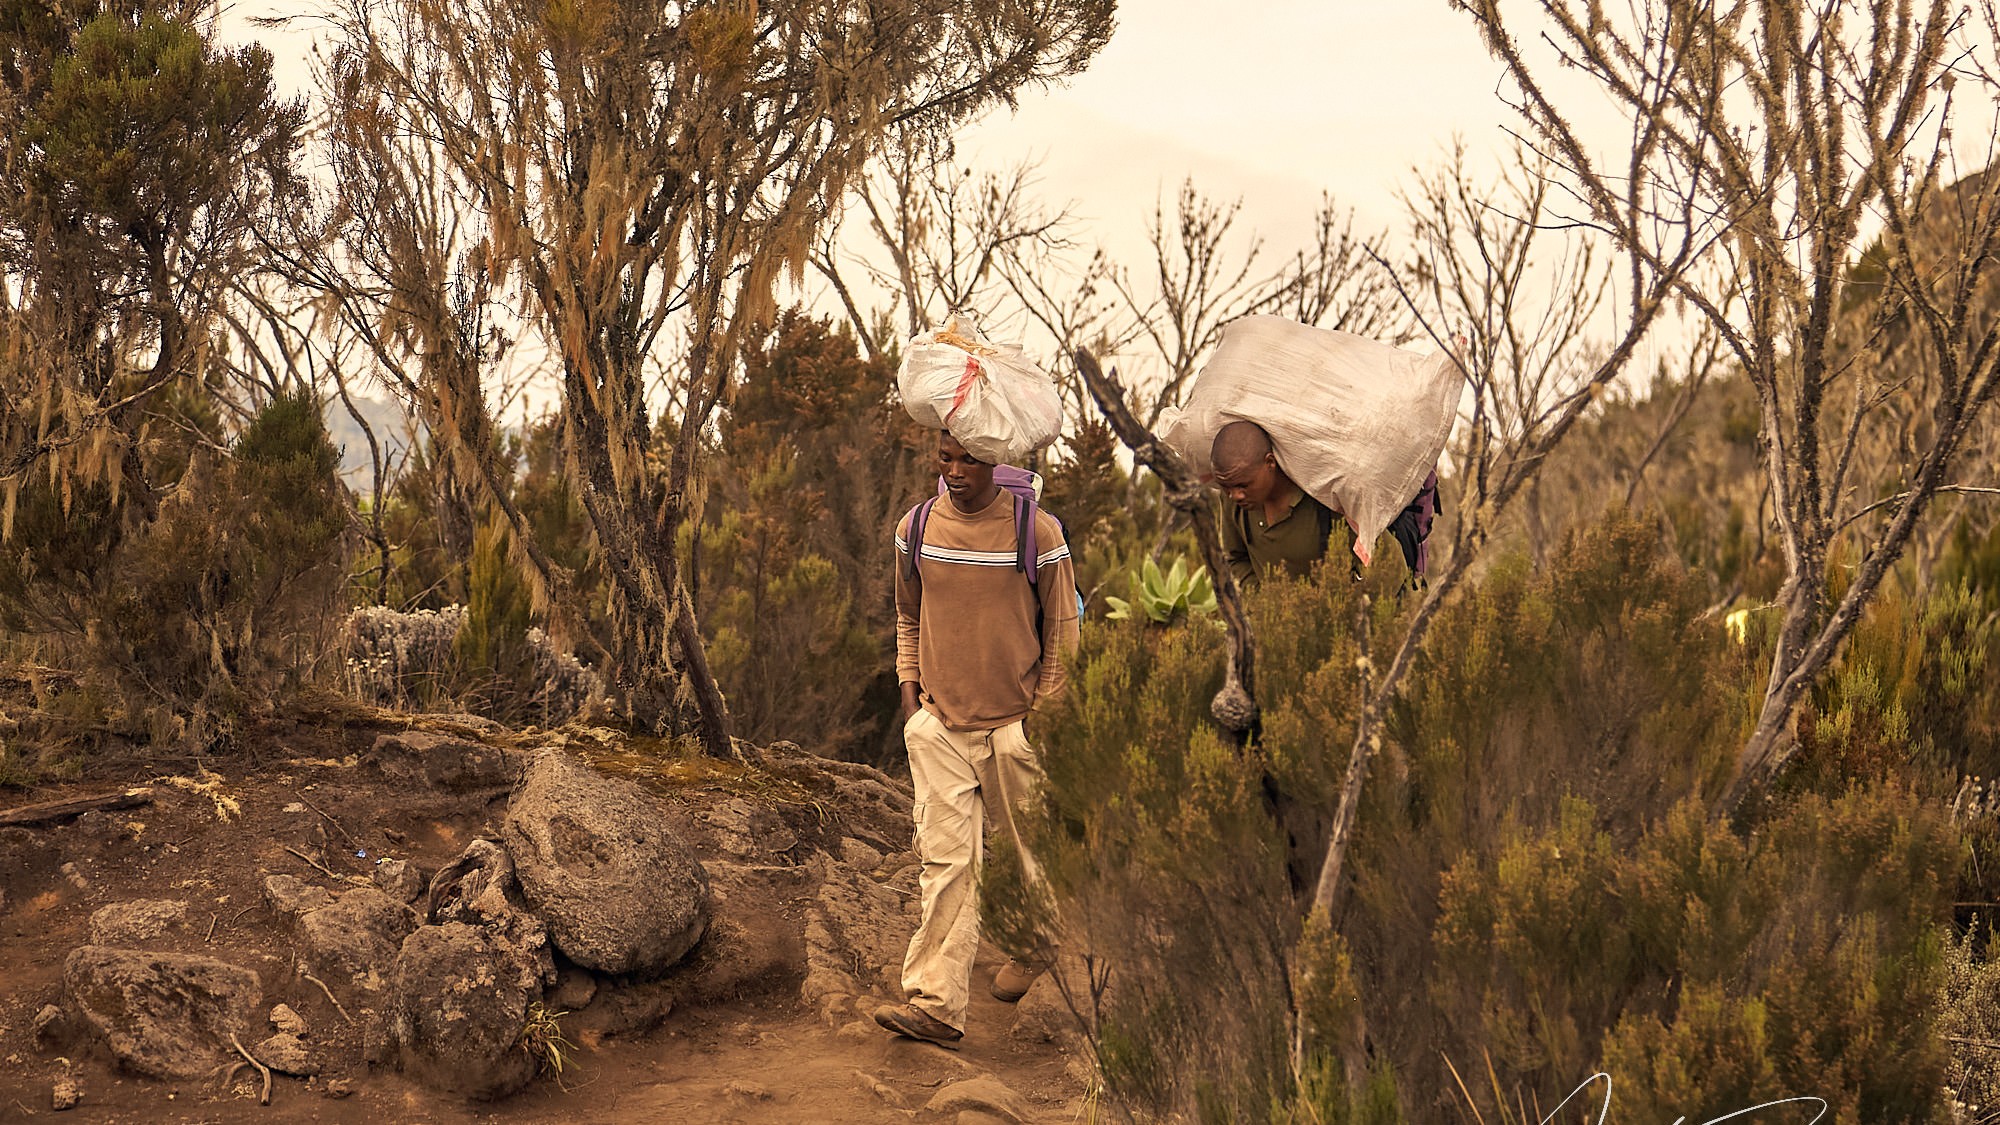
(736,1044)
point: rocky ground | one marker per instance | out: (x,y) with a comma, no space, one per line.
(418,920)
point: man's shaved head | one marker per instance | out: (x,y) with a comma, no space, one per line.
(1239,445)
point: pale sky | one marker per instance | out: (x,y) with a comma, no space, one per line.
(1276,102)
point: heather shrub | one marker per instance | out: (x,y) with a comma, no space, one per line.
(792,573)
(1533,888)
(793,652)
(218,604)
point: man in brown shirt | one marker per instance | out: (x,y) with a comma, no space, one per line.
(978,648)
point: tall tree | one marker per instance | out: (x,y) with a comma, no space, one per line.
(137,159)
(1801,129)
(644,174)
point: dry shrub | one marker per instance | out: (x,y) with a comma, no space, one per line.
(217,606)
(1534,881)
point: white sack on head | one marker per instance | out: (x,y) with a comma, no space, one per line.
(1356,423)
(993,399)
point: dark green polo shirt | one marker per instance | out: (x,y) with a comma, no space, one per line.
(1296,541)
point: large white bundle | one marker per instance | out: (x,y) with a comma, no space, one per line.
(1356,423)
(993,399)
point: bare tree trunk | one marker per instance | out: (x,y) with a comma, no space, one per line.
(1235,706)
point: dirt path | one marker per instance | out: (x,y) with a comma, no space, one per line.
(754,1055)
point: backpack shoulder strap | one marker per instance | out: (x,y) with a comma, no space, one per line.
(1026,551)
(914,540)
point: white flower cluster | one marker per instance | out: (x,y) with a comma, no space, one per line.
(563,686)
(410,661)
(396,659)
(1976,800)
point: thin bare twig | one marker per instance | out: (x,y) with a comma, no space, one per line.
(331,998)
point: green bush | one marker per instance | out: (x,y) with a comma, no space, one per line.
(1534,887)
(217,606)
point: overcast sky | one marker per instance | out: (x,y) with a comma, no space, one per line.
(1275,101)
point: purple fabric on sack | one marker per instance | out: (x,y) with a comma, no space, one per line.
(1426,505)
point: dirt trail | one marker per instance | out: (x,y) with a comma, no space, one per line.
(754,1055)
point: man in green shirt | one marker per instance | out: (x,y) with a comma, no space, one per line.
(1274,525)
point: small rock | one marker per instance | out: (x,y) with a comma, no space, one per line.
(1042,1016)
(460,999)
(48,1023)
(860,1031)
(574,990)
(356,937)
(339,1087)
(286,1054)
(135,922)
(443,762)
(399,880)
(165,1015)
(750,1091)
(288,1021)
(857,854)
(880,1089)
(66,1094)
(75,877)
(985,1094)
(289,894)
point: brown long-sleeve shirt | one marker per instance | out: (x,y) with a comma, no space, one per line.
(984,646)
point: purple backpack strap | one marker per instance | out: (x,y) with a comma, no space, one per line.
(1025,555)
(919,516)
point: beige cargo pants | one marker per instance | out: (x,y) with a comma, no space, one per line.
(963,781)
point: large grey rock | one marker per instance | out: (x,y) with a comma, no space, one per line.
(356,937)
(167,1015)
(138,921)
(460,1000)
(442,761)
(599,863)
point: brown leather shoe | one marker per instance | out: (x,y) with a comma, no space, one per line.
(1014,979)
(913,1022)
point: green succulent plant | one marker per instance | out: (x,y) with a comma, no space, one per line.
(1164,597)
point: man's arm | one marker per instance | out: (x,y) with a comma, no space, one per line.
(1056,589)
(909,608)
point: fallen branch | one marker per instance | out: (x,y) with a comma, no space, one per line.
(328,871)
(48,812)
(265,1097)
(331,998)
(323,814)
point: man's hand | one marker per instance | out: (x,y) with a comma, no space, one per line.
(912,699)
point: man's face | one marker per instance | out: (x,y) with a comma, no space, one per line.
(1249,485)
(965,476)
